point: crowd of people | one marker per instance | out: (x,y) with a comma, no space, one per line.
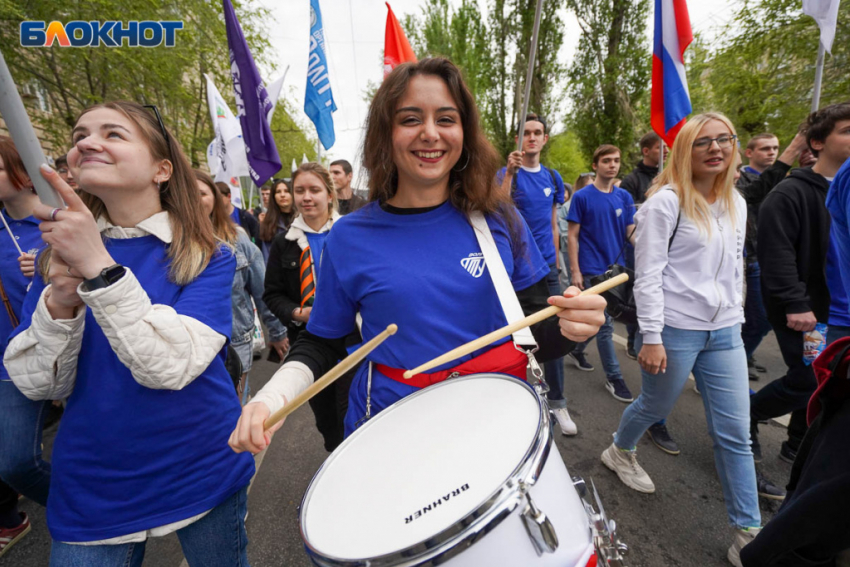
(138,305)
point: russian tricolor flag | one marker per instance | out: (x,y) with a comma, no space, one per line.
(671,102)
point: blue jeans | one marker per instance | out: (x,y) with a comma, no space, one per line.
(217,539)
(21,423)
(756,326)
(553,371)
(604,342)
(719,365)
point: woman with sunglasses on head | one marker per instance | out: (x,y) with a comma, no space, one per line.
(128,318)
(278,217)
(688,292)
(247,284)
(411,257)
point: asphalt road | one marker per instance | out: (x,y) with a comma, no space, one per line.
(682,524)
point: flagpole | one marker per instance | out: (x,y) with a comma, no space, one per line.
(818,77)
(22,133)
(529,74)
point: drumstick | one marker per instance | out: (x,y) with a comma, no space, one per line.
(489,338)
(9,230)
(344,366)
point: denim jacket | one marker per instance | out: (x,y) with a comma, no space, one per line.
(247,284)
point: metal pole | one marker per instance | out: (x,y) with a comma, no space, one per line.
(531,57)
(661,158)
(26,142)
(818,77)
(247,206)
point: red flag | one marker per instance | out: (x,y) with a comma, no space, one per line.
(397,49)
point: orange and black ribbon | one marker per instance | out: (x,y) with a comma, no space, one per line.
(308,286)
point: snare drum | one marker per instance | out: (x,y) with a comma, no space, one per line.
(463,473)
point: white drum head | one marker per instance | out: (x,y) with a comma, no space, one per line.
(420,466)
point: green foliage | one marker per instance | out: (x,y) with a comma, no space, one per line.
(565,155)
(290,137)
(492,53)
(610,76)
(762,77)
(172,78)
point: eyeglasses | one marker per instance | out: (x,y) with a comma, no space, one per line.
(724,142)
(159,119)
(583,175)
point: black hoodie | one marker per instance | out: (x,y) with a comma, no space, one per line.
(793,228)
(638,181)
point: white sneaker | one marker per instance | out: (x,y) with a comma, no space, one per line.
(742,538)
(625,464)
(568,426)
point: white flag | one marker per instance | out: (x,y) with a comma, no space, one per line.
(304,158)
(825,13)
(294,165)
(226,154)
(274,89)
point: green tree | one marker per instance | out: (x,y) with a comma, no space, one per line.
(566,156)
(762,74)
(172,78)
(610,74)
(492,54)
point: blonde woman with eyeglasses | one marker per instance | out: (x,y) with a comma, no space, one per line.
(688,291)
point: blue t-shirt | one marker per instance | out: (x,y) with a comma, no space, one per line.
(29,239)
(129,458)
(838,255)
(424,272)
(535,197)
(603,218)
(235,216)
(317,244)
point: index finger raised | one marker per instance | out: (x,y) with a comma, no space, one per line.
(72,200)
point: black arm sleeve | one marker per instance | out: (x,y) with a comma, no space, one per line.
(755,191)
(278,291)
(547,333)
(318,353)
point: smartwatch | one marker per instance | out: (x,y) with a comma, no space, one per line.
(107,277)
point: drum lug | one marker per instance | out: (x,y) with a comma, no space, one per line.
(539,527)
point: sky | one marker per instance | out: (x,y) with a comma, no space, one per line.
(354,34)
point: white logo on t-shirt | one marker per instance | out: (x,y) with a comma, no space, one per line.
(547,191)
(619,212)
(474,264)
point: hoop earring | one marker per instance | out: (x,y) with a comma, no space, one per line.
(464,165)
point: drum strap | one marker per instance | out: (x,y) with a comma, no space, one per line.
(501,281)
(503,358)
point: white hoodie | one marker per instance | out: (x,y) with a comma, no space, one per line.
(698,285)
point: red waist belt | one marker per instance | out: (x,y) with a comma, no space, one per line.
(505,358)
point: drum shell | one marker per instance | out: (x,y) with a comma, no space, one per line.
(494,534)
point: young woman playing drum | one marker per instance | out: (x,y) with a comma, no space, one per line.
(690,238)
(411,257)
(131,329)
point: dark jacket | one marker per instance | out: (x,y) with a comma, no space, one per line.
(350,205)
(638,181)
(794,226)
(251,226)
(754,188)
(283,284)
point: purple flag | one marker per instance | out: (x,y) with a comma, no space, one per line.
(252,103)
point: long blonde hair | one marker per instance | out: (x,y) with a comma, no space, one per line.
(678,173)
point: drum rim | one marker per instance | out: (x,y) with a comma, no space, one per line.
(471,527)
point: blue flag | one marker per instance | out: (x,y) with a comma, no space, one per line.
(252,103)
(319,100)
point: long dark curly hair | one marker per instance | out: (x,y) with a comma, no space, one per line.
(472,187)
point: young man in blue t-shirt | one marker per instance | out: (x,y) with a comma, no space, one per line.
(537,191)
(601,219)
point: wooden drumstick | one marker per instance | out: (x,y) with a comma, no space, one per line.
(508,330)
(344,366)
